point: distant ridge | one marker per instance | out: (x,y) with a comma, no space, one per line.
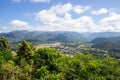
(43,36)
(60,36)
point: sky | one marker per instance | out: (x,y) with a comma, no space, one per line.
(60,15)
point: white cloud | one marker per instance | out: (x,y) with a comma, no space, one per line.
(53,21)
(67,23)
(46,17)
(84,24)
(18,25)
(111,23)
(112,18)
(81,9)
(81,24)
(60,18)
(101,11)
(40,1)
(60,9)
(51,15)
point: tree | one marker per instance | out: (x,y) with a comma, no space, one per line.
(47,62)
(26,50)
(4,44)
(47,56)
(5,49)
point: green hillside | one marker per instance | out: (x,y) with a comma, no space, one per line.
(49,64)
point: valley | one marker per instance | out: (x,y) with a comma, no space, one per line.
(97,44)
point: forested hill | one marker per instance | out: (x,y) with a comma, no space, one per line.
(101,40)
(114,45)
(41,36)
(59,36)
(100,35)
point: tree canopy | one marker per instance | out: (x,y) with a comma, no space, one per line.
(50,64)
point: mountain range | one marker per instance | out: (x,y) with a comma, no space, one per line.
(44,36)
(61,36)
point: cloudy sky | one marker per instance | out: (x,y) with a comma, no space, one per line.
(60,15)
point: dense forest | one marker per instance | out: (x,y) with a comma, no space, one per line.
(29,63)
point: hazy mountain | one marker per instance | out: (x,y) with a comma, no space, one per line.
(114,45)
(110,43)
(41,36)
(60,36)
(92,36)
(101,40)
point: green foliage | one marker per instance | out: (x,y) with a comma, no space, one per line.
(86,67)
(6,55)
(46,60)
(4,44)
(26,50)
(42,72)
(1,62)
(47,56)
(8,70)
(50,64)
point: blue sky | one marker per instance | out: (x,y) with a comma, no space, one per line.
(60,15)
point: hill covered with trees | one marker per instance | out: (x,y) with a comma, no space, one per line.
(42,36)
(60,36)
(30,63)
(102,40)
